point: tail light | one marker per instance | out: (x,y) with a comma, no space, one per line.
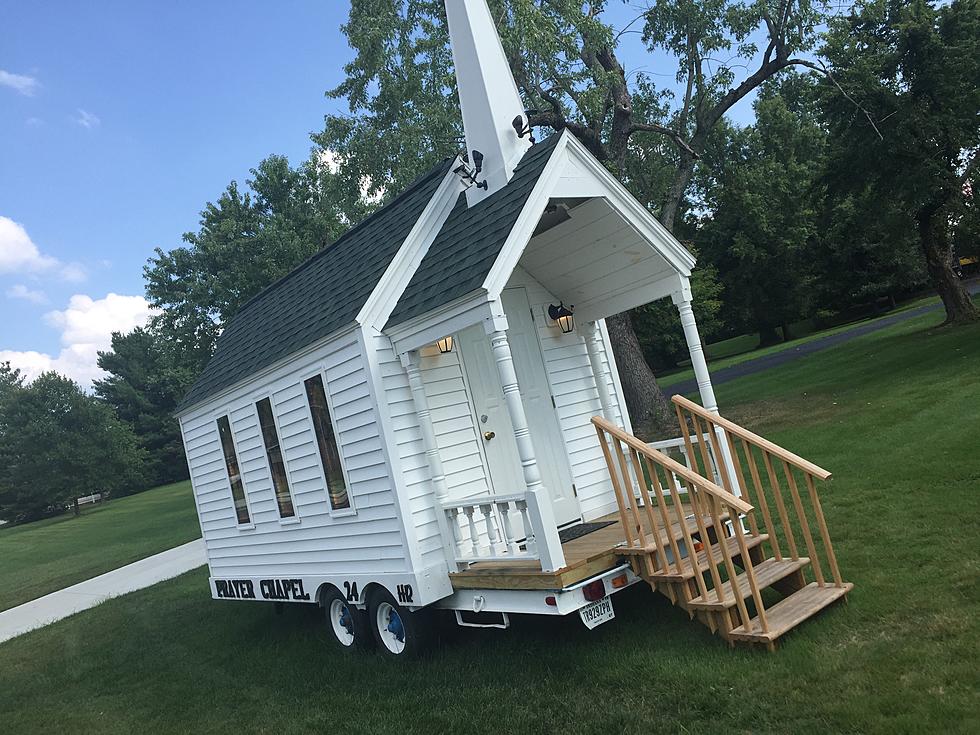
(594,590)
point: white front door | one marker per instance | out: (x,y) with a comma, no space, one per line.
(496,430)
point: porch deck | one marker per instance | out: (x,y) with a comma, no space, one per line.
(585,557)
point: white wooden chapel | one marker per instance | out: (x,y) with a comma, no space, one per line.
(405,404)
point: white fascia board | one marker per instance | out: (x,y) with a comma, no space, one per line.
(522,230)
(399,272)
(620,199)
(433,325)
(202,406)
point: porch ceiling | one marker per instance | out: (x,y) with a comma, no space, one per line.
(596,261)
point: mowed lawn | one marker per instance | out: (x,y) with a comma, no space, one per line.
(895,415)
(38,558)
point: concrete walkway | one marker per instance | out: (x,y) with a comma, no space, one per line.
(143,573)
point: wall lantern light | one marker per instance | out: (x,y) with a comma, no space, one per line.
(563,316)
(445,345)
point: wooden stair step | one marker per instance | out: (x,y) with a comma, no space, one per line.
(766,573)
(731,542)
(790,612)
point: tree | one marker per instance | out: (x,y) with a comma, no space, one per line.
(764,198)
(58,444)
(246,241)
(564,59)
(917,65)
(143,387)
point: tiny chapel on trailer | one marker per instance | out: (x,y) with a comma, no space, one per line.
(427,412)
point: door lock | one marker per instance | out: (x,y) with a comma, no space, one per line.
(488,435)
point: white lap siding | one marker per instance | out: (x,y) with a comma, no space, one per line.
(576,399)
(323,542)
(456,434)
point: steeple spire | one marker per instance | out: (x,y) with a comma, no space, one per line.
(488,95)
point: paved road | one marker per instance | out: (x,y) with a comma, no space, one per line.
(143,573)
(749,367)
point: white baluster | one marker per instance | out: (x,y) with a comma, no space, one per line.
(487,510)
(531,545)
(454,527)
(510,542)
(474,534)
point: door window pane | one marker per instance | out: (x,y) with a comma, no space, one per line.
(277,467)
(234,475)
(326,442)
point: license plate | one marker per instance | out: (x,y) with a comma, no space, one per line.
(597,613)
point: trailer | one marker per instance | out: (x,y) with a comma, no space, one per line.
(427,415)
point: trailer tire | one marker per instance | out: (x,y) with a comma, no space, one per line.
(347,626)
(399,632)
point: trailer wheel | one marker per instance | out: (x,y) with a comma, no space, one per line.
(348,627)
(399,632)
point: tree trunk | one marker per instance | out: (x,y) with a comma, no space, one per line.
(646,402)
(75,508)
(768,335)
(960,308)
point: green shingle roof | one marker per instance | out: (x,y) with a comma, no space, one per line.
(464,251)
(318,297)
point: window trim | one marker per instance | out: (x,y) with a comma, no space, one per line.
(256,399)
(216,416)
(352,507)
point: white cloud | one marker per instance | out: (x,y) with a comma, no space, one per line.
(34,122)
(19,254)
(20,291)
(86,119)
(86,328)
(22,83)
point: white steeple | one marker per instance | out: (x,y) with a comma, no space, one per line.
(488,95)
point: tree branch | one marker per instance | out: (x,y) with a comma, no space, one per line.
(820,68)
(672,134)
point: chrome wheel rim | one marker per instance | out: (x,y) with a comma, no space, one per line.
(391,628)
(342,622)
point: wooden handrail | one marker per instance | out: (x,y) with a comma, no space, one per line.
(762,443)
(732,501)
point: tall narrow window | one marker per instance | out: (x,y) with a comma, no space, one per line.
(234,475)
(326,441)
(276,466)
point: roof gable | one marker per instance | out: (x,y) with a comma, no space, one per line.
(318,297)
(468,244)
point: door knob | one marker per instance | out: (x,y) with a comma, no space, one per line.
(488,435)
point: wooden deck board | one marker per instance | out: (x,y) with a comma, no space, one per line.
(585,557)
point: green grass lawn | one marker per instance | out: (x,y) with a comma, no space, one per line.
(894,415)
(38,558)
(743,348)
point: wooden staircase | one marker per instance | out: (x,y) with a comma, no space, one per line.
(700,542)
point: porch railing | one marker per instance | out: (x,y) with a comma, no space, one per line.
(492,528)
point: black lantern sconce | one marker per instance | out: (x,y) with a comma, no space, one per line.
(563,316)
(445,345)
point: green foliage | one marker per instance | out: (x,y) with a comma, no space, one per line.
(143,387)
(916,68)
(763,199)
(246,241)
(658,325)
(57,444)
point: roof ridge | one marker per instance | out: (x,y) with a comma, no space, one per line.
(412,186)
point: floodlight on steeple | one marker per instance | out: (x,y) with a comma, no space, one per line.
(488,95)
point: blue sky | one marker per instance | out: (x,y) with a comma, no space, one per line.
(118,121)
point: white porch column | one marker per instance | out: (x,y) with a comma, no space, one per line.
(410,361)
(538,501)
(682,300)
(593,344)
